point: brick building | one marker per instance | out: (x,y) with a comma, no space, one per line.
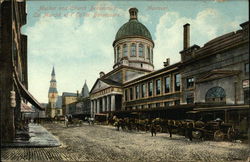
(13,68)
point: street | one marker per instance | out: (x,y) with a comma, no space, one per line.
(105,143)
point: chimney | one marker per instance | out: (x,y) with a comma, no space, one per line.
(101,74)
(186,36)
(167,63)
(133,13)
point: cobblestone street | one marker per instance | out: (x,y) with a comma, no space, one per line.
(104,143)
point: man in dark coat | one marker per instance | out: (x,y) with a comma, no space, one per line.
(153,128)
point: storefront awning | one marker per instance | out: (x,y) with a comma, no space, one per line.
(25,108)
(25,93)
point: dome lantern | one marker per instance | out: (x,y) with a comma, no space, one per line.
(133,13)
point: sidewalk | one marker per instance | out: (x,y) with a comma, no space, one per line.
(40,137)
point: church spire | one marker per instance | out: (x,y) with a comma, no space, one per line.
(52,88)
(53,71)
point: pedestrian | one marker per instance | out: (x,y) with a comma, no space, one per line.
(189,131)
(66,121)
(169,130)
(153,129)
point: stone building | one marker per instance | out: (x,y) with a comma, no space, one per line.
(67,99)
(209,78)
(54,107)
(216,76)
(81,107)
(14,69)
(133,57)
(216,72)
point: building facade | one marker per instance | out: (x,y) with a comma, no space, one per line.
(133,57)
(14,69)
(67,99)
(81,107)
(209,78)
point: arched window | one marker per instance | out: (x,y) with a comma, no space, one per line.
(133,50)
(141,50)
(148,52)
(125,50)
(118,53)
(215,94)
(151,57)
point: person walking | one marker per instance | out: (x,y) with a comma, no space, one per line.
(66,121)
(153,129)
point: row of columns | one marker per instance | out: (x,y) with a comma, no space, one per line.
(102,104)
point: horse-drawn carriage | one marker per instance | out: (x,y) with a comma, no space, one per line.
(216,129)
(69,120)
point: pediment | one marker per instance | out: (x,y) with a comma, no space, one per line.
(99,85)
(217,74)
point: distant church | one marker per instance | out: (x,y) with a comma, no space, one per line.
(54,107)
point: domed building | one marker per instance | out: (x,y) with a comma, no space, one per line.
(133,57)
(196,82)
(133,45)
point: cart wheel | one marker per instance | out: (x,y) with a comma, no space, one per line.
(219,135)
(197,134)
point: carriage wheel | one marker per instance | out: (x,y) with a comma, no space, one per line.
(197,134)
(219,135)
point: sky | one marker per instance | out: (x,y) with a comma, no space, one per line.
(76,36)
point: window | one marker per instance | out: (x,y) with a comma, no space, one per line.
(166,104)
(190,100)
(141,50)
(246,97)
(131,93)
(215,94)
(151,58)
(177,82)
(133,50)
(247,67)
(177,102)
(148,52)
(150,88)
(118,53)
(158,86)
(125,50)
(126,95)
(143,90)
(167,84)
(136,92)
(190,82)
(158,105)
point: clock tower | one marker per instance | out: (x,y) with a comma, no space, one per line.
(53,94)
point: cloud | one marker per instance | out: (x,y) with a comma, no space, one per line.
(207,25)
(79,49)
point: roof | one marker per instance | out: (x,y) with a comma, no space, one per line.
(53,71)
(111,82)
(25,93)
(133,28)
(25,108)
(52,90)
(85,90)
(69,94)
